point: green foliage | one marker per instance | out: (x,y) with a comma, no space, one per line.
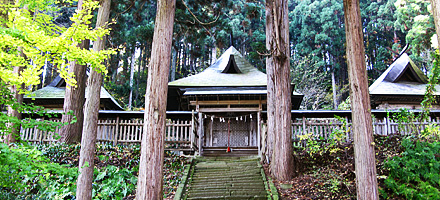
(113,183)
(406,118)
(415,18)
(319,145)
(8,123)
(28,31)
(28,172)
(414,174)
(23,170)
(434,75)
(311,80)
(28,40)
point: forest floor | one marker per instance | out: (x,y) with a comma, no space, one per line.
(325,175)
(121,157)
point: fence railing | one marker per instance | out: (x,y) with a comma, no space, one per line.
(179,133)
(321,129)
(183,134)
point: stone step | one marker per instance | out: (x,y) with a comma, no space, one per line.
(228,186)
(230,182)
(241,179)
(244,197)
(253,172)
(242,169)
(227,193)
(230,189)
(226,178)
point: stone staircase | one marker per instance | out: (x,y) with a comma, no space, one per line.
(235,152)
(226,178)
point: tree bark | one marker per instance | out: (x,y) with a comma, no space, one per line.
(173,65)
(282,165)
(365,165)
(271,123)
(436,13)
(213,52)
(14,135)
(87,153)
(4,10)
(74,99)
(335,100)
(150,179)
(132,62)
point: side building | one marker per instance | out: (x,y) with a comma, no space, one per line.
(402,85)
(52,97)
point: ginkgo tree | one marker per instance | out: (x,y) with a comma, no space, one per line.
(29,38)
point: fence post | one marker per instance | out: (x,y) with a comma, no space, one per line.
(304,125)
(387,125)
(115,138)
(39,133)
(347,129)
(192,129)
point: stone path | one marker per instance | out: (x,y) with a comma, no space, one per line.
(226,178)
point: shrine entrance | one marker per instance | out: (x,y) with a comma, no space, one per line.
(229,133)
(232,130)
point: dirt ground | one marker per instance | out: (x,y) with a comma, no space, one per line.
(331,175)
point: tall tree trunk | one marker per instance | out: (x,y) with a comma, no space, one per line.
(282,164)
(271,122)
(74,99)
(14,135)
(179,57)
(436,13)
(4,10)
(213,53)
(132,62)
(150,179)
(173,65)
(141,60)
(335,100)
(365,165)
(87,154)
(184,68)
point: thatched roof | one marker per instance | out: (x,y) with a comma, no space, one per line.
(231,69)
(54,93)
(403,77)
(231,75)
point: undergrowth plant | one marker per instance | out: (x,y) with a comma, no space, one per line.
(318,144)
(415,173)
(24,170)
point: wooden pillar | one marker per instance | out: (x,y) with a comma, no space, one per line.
(259,132)
(210,131)
(192,129)
(200,132)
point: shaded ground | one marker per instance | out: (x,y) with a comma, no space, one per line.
(331,175)
(121,156)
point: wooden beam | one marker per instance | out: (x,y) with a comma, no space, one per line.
(252,109)
(229,102)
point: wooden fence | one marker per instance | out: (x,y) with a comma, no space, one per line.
(182,134)
(321,129)
(179,133)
